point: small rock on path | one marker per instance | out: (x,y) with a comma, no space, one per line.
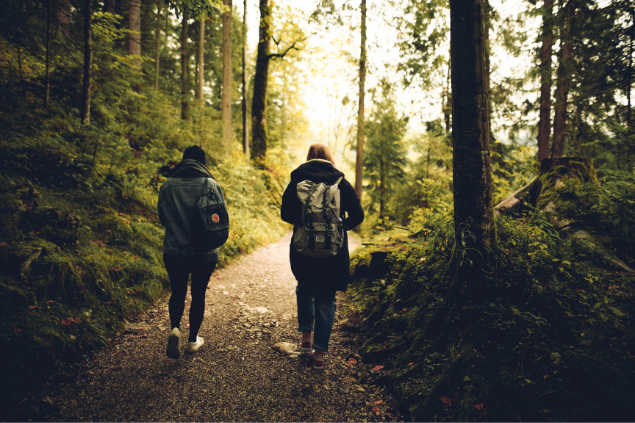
(236,375)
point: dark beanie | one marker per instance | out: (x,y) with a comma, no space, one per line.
(194,153)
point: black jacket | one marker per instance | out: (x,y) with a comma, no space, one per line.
(330,273)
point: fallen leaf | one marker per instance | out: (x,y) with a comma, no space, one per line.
(379,402)
(376,409)
(16,330)
(446,401)
(479,407)
(143,336)
(31,307)
(388,415)
(378,367)
(411,363)
(50,301)
(117,269)
(352,360)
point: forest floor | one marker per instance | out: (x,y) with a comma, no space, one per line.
(236,375)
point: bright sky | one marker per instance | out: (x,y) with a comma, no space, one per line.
(333,76)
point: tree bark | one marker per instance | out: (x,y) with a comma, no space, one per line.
(227,74)
(359,159)
(185,66)
(473,211)
(382,186)
(47,79)
(259,100)
(629,82)
(62,14)
(157,58)
(109,6)
(201,59)
(560,121)
(244,102)
(544,121)
(134,25)
(88,62)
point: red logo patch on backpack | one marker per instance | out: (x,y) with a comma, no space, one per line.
(215,218)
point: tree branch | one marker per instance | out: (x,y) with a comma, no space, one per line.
(281,55)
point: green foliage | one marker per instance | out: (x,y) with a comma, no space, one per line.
(547,336)
(80,240)
(385,153)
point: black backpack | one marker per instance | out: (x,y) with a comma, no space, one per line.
(210,220)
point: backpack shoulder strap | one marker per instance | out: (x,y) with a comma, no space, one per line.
(338,181)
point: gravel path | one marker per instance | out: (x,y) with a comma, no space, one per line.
(236,376)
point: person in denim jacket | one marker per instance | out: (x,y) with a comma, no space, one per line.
(176,203)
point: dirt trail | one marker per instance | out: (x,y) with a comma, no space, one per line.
(236,376)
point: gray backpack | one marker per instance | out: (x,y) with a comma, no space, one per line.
(321,233)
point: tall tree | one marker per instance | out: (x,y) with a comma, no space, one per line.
(227,74)
(359,158)
(185,65)
(47,79)
(473,211)
(88,62)
(385,155)
(62,14)
(564,74)
(244,76)
(259,99)
(134,25)
(201,58)
(109,6)
(157,57)
(544,121)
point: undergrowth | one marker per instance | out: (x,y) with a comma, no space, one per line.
(80,239)
(548,335)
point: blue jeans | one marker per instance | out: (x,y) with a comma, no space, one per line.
(319,307)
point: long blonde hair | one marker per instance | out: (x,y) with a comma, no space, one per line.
(320,151)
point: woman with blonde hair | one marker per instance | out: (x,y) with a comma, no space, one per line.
(319,278)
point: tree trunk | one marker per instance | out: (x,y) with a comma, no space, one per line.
(185,66)
(359,159)
(259,100)
(245,128)
(62,14)
(88,62)
(134,25)
(47,79)
(157,58)
(227,74)
(109,6)
(447,104)
(629,82)
(560,121)
(473,212)
(382,186)
(544,121)
(201,59)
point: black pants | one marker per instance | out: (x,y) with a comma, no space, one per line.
(178,272)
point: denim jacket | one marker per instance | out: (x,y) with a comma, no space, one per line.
(176,203)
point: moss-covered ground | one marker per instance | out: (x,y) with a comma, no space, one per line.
(81,243)
(547,335)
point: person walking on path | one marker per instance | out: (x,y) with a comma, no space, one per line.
(319,278)
(177,198)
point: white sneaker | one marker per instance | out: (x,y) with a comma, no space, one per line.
(192,347)
(173,344)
